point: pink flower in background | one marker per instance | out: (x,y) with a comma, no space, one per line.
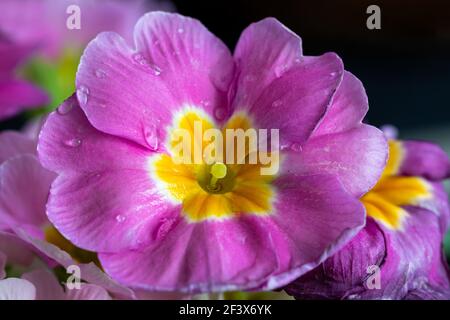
(21,205)
(158,225)
(16,95)
(13,288)
(17,289)
(48,36)
(25,232)
(408,216)
(41,284)
(43,23)
(48,288)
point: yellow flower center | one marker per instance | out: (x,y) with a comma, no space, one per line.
(217,189)
(386,200)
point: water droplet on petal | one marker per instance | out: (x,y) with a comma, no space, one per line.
(142,61)
(120,218)
(277,103)
(180,30)
(156,70)
(205,103)
(220,113)
(151,137)
(82,95)
(65,108)
(99,73)
(280,70)
(249,78)
(75,142)
(194,62)
(221,81)
(139,58)
(333,74)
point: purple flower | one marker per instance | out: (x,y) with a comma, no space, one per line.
(401,244)
(16,95)
(159,225)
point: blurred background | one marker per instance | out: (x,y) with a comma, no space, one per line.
(404,66)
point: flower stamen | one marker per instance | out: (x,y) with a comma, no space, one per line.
(218,171)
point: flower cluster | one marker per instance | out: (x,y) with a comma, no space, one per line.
(96,187)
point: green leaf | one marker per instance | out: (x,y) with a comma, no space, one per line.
(56,76)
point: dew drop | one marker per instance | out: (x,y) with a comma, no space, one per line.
(120,218)
(139,59)
(280,70)
(151,137)
(75,142)
(65,108)
(221,81)
(220,113)
(194,62)
(82,95)
(277,103)
(142,61)
(156,70)
(180,30)
(99,73)
(205,103)
(249,78)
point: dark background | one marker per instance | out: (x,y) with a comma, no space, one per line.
(405,66)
